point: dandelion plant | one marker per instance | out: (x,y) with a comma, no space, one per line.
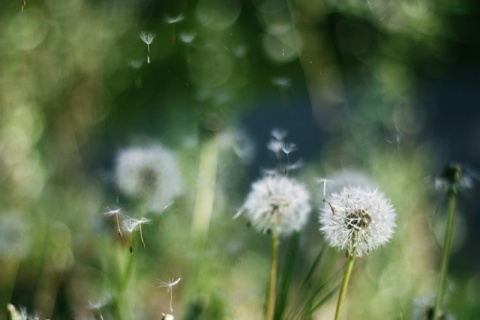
(357,220)
(279,205)
(453,180)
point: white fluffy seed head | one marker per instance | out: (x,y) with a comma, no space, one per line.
(150,174)
(358,219)
(277,203)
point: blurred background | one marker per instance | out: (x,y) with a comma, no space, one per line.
(383,90)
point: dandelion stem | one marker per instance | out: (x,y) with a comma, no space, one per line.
(446,254)
(343,289)
(273,277)
(12,272)
(100,315)
(207,173)
(125,275)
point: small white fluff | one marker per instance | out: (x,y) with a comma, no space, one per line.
(422,309)
(132,224)
(150,174)
(147,37)
(277,203)
(358,219)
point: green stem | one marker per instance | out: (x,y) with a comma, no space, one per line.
(343,289)
(446,254)
(12,273)
(123,280)
(273,277)
(207,173)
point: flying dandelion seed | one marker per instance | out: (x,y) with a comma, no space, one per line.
(169,285)
(147,38)
(116,211)
(132,224)
(135,64)
(279,134)
(278,146)
(324,181)
(274,145)
(281,82)
(187,37)
(288,148)
(173,21)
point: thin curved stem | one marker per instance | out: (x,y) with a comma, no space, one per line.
(446,255)
(343,289)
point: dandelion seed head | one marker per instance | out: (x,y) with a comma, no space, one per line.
(150,174)
(358,219)
(167,317)
(454,178)
(147,37)
(277,203)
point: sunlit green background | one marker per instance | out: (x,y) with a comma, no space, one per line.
(357,84)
